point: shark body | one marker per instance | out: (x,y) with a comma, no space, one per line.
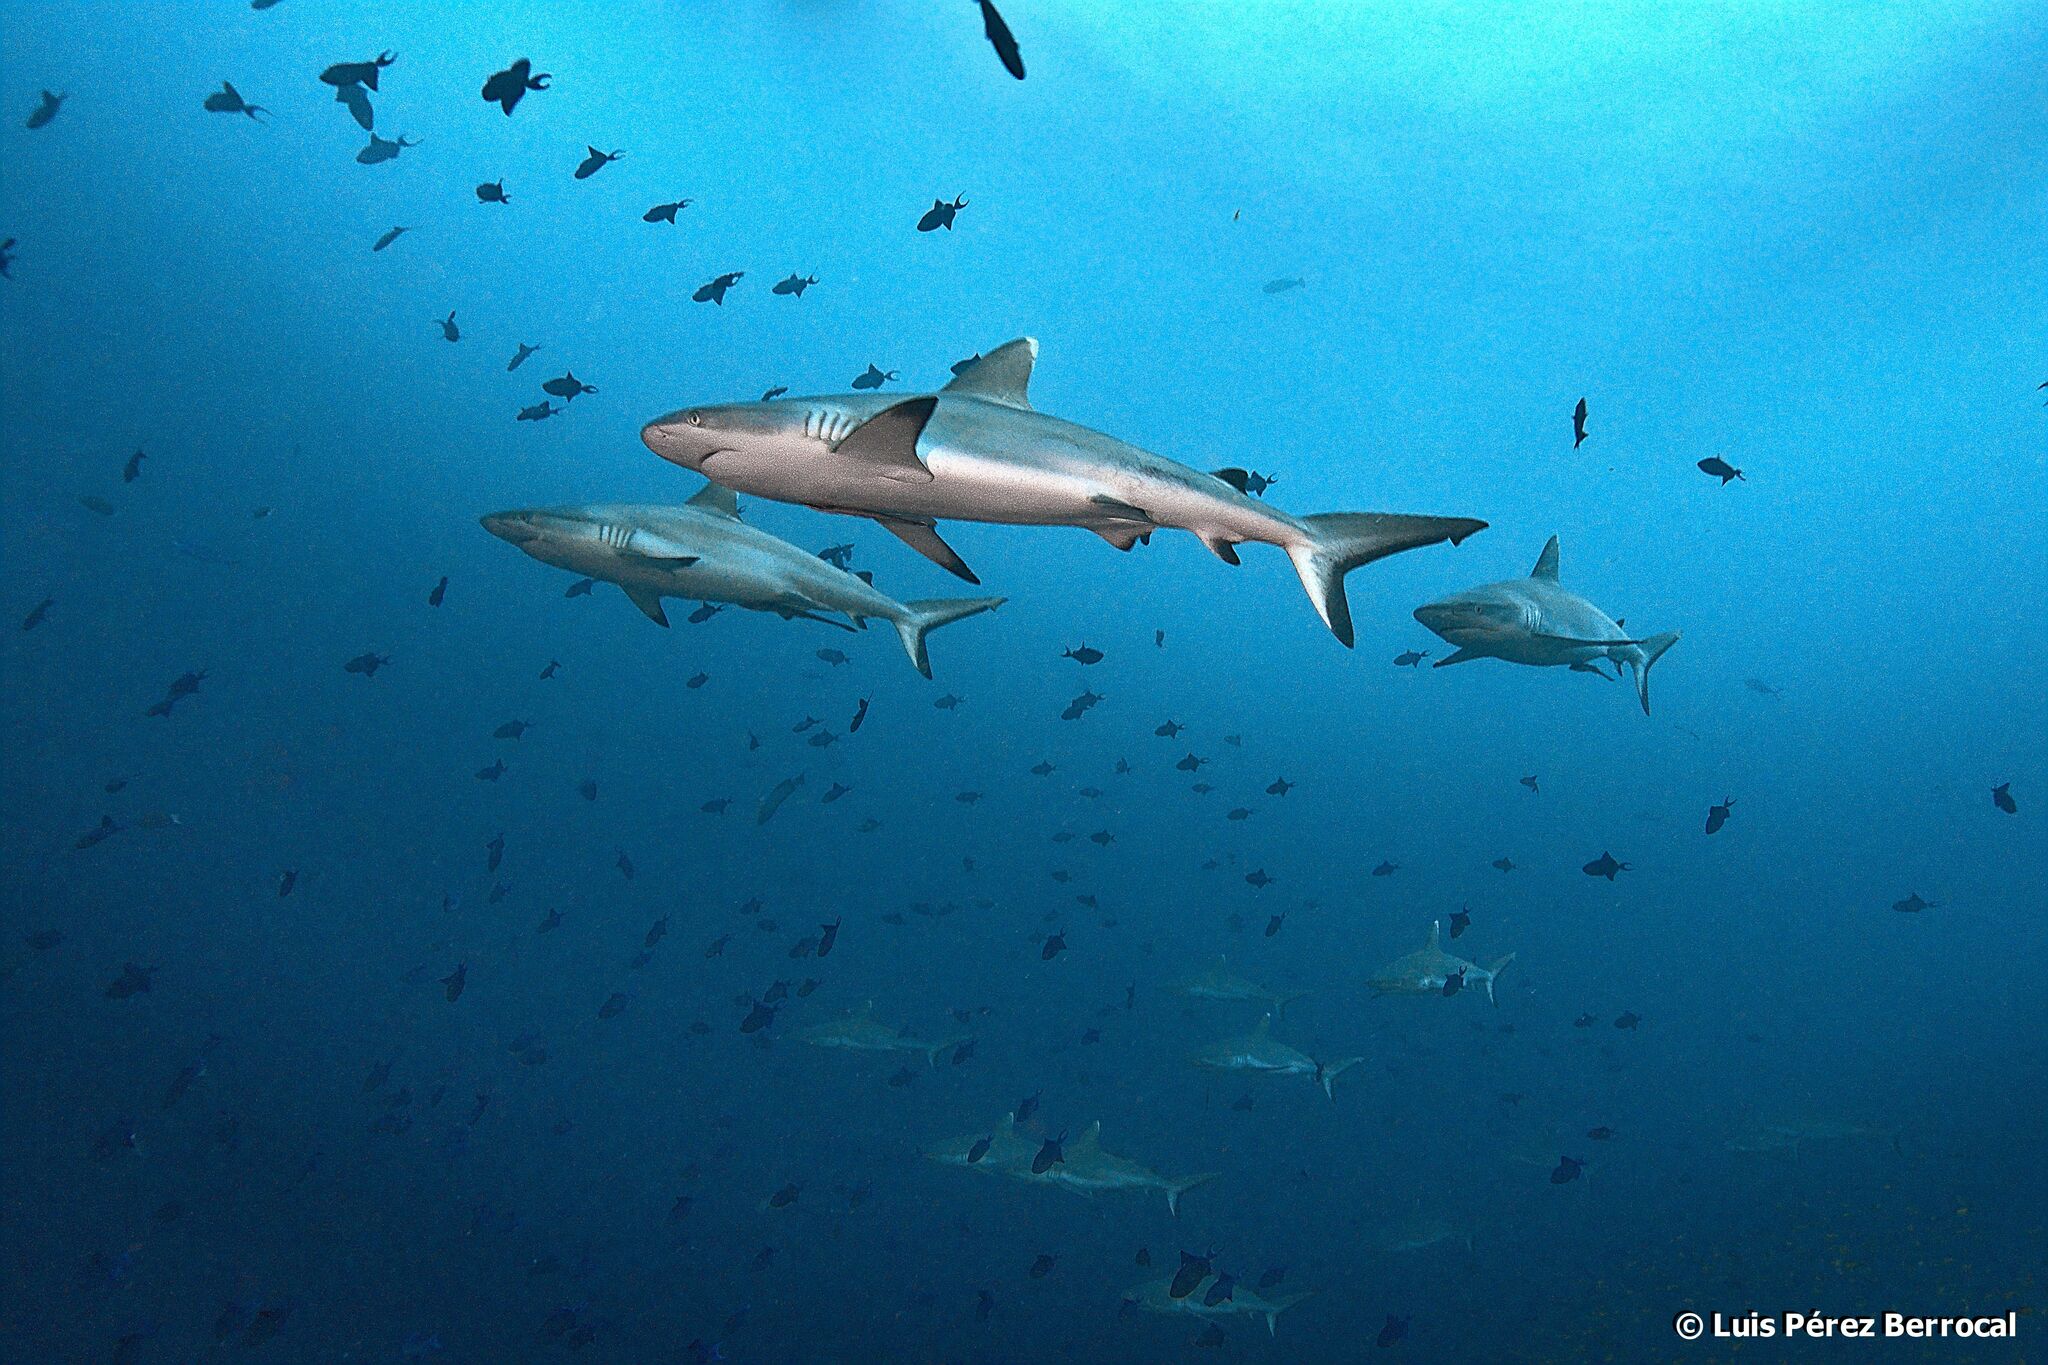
(1220,984)
(859,1031)
(1156,1296)
(977,451)
(702,551)
(1260,1054)
(1424,971)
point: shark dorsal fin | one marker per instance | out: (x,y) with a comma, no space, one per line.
(887,442)
(1089,1140)
(1265,1026)
(1435,926)
(1010,1122)
(717,498)
(1002,376)
(866,1010)
(1546,563)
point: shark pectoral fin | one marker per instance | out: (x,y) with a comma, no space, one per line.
(1462,656)
(649,601)
(716,498)
(1002,376)
(923,537)
(887,442)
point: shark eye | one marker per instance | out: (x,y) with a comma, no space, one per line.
(695,419)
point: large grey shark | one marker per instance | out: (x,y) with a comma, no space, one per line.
(1156,1296)
(1428,968)
(976,451)
(1086,1168)
(702,551)
(1257,1052)
(1219,983)
(1535,621)
(859,1031)
(1001,1150)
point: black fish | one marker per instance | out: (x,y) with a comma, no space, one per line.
(506,88)
(549,922)
(1272,1277)
(1913,905)
(1220,1290)
(1454,982)
(860,714)
(454,982)
(758,1018)
(1604,866)
(785,1196)
(587,789)
(1410,658)
(625,865)
(449,331)
(1083,655)
(666,213)
(228,100)
(1717,816)
(1386,869)
(1042,1267)
(366,664)
(1258,879)
(596,162)
(7,259)
(1049,1156)
(493,192)
(286,880)
(1395,1330)
(1567,1171)
(828,935)
(358,73)
(999,37)
(613,1006)
(520,359)
(40,116)
(794,287)
(1055,944)
(440,592)
(1461,920)
(977,1151)
(580,588)
(1579,425)
(1530,783)
(540,412)
(941,215)
(42,609)
(2001,795)
(771,395)
(873,378)
(567,386)
(1627,1019)
(1273,925)
(1720,469)
(98,833)
(714,290)
(1193,1270)
(132,981)
(492,773)
(984,1304)
(1600,1134)
(357,102)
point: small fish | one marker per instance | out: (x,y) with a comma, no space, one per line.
(41,115)
(449,331)
(1042,1267)
(873,378)
(1083,655)
(1461,920)
(454,981)
(984,1304)
(1717,816)
(1761,688)
(384,149)
(92,502)
(794,286)
(580,588)
(132,981)
(587,789)
(785,1196)
(1604,866)
(366,664)
(595,162)
(941,215)
(834,657)
(696,680)
(520,359)
(1530,783)
(492,773)
(549,922)
(567,387)
(1579,425)
(827,936)
(1454,982)
(2001,795)
(613,1006)
(1273,925)
(1281,786)
(1193,1270)
(1504,864)
(1049,1155)
(1026,1107)
(38,613)
(1256,484)
(1913,905)
(949,702)
(1283,286)
(7,258)
(1000,38)
(1054,945)
(772,802)
(1221,1290)
(1410,658)
(713,291)
(493,192)
(1386,869)
(440,592)
(860,714)
(1567,1171)
(666,213)
(1719,468)
(1081,705)
(540,412)
(358,73)
(228,100)
(357,101)
(704,613)
(1394,1331)
(506,88)
(625,865)
(1627,1019)
(1259,879)
(771,395)
(98,833)
(286,880)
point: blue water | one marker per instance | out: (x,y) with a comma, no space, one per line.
(1802,238)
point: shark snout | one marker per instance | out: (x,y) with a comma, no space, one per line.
(679,438)
(516,527)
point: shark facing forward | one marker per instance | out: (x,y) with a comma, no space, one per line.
(1257,1052)
(703,552)
(1535,621)
(976,451)
(1426,971)
(1084,1167)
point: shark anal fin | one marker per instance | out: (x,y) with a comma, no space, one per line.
(1002,376)
(649,601)
(1462,656)
(1224,550)
(923,537)
(1122,534)
(887,442)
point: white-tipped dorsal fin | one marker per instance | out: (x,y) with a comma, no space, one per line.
(1010,1122)
(1434,927)
(717,498)
(867,1008)
(1546,563)
(1090,1139)
(1001,376)
(1265,1026)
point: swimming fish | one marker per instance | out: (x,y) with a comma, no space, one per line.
(941,215)
(506,88)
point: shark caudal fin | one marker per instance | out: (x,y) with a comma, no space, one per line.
(1285,998)
(1650,651)
(1281,1305)
(1493,974)
(1338,542)
(1330,1071)
(928,615)
(1177,1188)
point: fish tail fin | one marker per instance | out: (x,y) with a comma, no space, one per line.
(1335,543)
(1493,974)
(1327,1072)
(929,614)
(1647,653)
(1281,1305)
(1177,1188)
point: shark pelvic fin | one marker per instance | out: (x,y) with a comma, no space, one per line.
(887,442)
(717,498)
(649,601)
(1002,376)
(923,537)
(1546,563)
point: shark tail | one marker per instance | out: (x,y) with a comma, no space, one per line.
(1281,1305)
(1330,1071)
(929,614)
(1493,974)
(1648,653)
(1286,998)
(1335,543)
(1177,1188)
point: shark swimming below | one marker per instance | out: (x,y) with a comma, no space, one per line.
(1084,1168)
(1156,1296)
(1534,620)
(976,451)
(1428,968)
(702,551)
(1257,1052)
(1218,983)
(859,1031)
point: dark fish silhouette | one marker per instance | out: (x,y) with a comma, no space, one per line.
(1258,879)
(704,612)
(772,802)
(1600,1134)
(1042,1267)
(440,592)
(758,1018)
(1913,905)
(42,610)
(1461,920)
(454,981)
(1083,656)
(1717,816)
(1283,286)
(567,387)
(941,215)
(496,851)
(1000,38)
(2001,795)
(357,101)
(1394,1331)
(1410,659)
(492,773)
(358,73)
(1627,1020)
(228,100)
(383,149)
(1273,925)
(625,865)
(794,286)
(587,789)
(1050,1155)
(1567,1171)
(47,110)
(520,359)
(540,412)
(1055,944)
(874,378)
(132,981)
(860,714)
(1386,869)
(506,88)
(772,394)
(1604,866)
(1720,469)
(7,259)
(1454,982)
(827,936)
(286,880)
(1579,425)
(449,331)
(549,671)
(388,238)
(596,162)
(366,664)
(665,213)
(1221,1290)
(1530,783)
(492,192)
(714,291)
(1193,1270)
(1280,787)
(98,833)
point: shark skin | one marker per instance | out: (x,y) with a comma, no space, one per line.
(702,551)
(1259,1054)
(1535,621)
(977,451)
(1156,1296)
(859,1031)
(1424,971)
(1219,984)
(1087,1169)
(1009,1152)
